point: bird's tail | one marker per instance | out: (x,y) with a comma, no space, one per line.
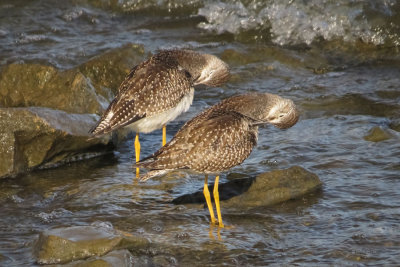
(152,174)
(101,127)
(146,163)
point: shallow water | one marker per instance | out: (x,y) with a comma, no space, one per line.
(345,79)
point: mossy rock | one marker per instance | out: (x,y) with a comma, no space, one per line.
(89,88)
(266,189)
(36,137)
(277,186)
(64,245)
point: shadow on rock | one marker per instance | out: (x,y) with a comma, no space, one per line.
(41,137)
(266,189)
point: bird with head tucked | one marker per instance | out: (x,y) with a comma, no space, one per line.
(220,138)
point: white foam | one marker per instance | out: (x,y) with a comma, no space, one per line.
(299,22)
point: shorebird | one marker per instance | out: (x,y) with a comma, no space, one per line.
(220,138)
(157,90)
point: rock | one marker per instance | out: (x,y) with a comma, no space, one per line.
(377,134)
(85,89)
(64,245)
(266,189)
(118,258)
(23,85)
(274,187)
(38,137)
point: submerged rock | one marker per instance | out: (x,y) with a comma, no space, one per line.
(377,134)
(266,189)
(118,258)
(38,137)
(64,245)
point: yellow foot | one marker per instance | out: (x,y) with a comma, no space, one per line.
(216,200)
(164,135)
(137,153)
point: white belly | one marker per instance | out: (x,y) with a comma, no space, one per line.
(151,123)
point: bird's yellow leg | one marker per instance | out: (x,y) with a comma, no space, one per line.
(164,135)
(216,199)
(206,193)
(137,152)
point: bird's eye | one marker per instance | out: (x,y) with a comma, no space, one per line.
(280,116)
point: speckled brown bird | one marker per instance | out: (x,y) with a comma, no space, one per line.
(157,90)
(220,138)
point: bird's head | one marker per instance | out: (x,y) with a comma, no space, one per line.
(282,113)
(215,72)
(263,108)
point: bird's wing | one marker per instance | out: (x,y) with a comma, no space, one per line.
(214,144)
(150,88)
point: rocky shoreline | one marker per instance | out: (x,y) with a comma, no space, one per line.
(46,113)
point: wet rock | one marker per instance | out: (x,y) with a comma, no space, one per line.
(377,134)
(86,89)
(39,137)
(64,245)
(274,187)
(118,258)
(23,85)
(266,189)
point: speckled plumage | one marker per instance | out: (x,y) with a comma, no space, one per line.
(159,89)
(222,136)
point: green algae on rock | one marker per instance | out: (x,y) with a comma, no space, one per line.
(63,245)
(36,137)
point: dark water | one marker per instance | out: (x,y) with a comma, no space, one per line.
(338,60)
